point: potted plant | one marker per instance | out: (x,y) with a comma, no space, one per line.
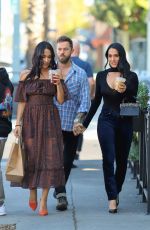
(142,99)
(143,95)
(138,126)
(134,155)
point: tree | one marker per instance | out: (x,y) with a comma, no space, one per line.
(67,17)
(35,26)
(129,15)
(71,15)
(24,10)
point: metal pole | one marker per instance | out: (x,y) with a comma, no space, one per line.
(52,20)
(148,41)
(16,41)
(148,149)
(46,19)
(148,165)
(0,27)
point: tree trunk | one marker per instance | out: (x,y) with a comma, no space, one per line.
(35,27)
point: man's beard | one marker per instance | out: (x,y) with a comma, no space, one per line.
(64,60)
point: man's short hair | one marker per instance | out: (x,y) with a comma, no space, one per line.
(65,39)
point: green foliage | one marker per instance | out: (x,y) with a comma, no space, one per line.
(70,15)
(125,15)
(143,95)
(142,98)
(24,14)
(135,138)
(134,152)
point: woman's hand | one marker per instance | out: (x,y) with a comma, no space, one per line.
(17,131)
(78,128)
(120,87)
(56,77)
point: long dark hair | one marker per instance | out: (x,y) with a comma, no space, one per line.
(123,65)
(4,83)
(37,59)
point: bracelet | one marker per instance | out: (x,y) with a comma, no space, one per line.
(80,117)
(17,125)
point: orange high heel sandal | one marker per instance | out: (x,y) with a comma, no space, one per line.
(33,205)
(43,212)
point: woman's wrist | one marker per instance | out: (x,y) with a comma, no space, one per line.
(18,123)
(59,83)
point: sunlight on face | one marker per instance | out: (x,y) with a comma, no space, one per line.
(113,57)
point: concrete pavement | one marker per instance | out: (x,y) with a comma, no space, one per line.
(88,206)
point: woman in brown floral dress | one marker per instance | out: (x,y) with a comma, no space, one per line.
(38,120)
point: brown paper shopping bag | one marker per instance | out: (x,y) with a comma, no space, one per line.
(15,163)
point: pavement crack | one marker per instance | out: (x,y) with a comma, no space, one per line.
(73,209)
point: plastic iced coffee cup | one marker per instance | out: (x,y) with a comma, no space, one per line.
(50,75)
(120,79)
(54,75)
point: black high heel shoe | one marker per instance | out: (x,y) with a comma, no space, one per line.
(114,210)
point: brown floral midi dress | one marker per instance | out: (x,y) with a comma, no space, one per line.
(42,135)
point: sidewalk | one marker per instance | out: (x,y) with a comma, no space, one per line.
(88,206)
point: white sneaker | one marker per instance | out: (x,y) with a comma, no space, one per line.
(2,210)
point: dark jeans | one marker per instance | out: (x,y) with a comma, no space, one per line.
(70,145)
(115,137)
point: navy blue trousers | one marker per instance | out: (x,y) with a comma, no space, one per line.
(115,137)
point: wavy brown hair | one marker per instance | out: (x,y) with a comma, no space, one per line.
(37,59)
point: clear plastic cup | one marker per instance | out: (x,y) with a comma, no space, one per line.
(50,73)
(53,75)
(120,79)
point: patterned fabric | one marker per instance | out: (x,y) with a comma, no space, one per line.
(79,101)
(6,92)
(42,135)
(6,101)
(6,105)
